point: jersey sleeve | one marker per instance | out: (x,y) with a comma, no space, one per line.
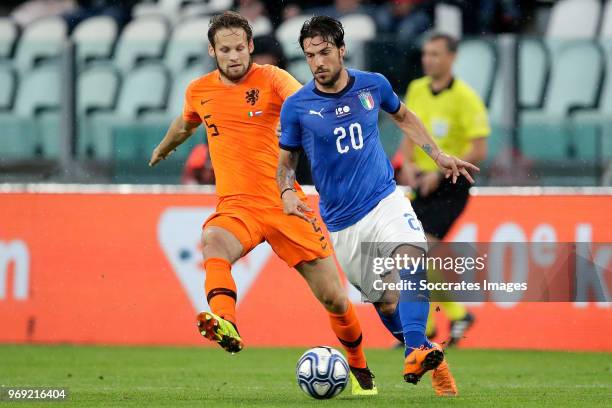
(474,116)
(283,83)
(389,101)
(291,132)
(190,114)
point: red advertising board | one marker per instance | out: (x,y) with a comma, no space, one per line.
(116,268)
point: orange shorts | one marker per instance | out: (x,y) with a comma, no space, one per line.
(293,239)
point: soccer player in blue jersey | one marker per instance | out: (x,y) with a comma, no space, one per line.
(334,119)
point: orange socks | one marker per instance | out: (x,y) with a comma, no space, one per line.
(221,296)
(348,330)
(220,288)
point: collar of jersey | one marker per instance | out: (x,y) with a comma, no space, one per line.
(338,94)
(446,88)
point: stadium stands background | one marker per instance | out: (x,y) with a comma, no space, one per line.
(89,87)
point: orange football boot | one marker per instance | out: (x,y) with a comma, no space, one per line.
(420,360)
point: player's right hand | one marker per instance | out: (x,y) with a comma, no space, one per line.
(157,156)
(292,205)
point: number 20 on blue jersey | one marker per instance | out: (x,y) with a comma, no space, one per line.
(354,130)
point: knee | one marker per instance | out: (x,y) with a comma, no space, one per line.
(335,302)
(209,236)
(212,242)
(389,301)
(386,308)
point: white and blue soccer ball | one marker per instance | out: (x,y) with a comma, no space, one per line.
(322,372)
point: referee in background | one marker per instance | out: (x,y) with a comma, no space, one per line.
(457,118)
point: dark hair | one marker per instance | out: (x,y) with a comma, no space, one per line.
(452,44)
(228,19)
(326,27)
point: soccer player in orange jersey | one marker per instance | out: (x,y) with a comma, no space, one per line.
(240,103)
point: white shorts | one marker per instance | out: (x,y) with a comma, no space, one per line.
(392,221)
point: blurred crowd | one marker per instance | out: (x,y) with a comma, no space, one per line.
(74,11)
(407,18)
(401,18)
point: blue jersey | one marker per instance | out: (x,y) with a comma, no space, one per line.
(339,133)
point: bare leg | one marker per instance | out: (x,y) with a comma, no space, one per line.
(324,281)
(220,243)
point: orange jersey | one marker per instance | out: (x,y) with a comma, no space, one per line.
(241,122)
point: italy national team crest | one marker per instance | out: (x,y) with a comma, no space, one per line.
(366,100)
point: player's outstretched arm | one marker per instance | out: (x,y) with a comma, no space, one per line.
(285,178)
(413,128)
(179,131)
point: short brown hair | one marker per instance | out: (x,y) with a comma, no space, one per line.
(452,44)
(228,19)
(326,27)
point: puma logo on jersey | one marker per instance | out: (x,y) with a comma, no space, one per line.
(314,112)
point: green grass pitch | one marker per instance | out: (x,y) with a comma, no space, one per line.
(209,377)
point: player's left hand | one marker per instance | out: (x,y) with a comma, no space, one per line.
(454,167)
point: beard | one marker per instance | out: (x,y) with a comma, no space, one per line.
(331,81)
(234,77)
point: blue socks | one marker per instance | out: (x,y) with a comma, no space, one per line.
(414,310)
(408,322)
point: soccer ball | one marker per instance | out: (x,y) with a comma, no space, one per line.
(322,372)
